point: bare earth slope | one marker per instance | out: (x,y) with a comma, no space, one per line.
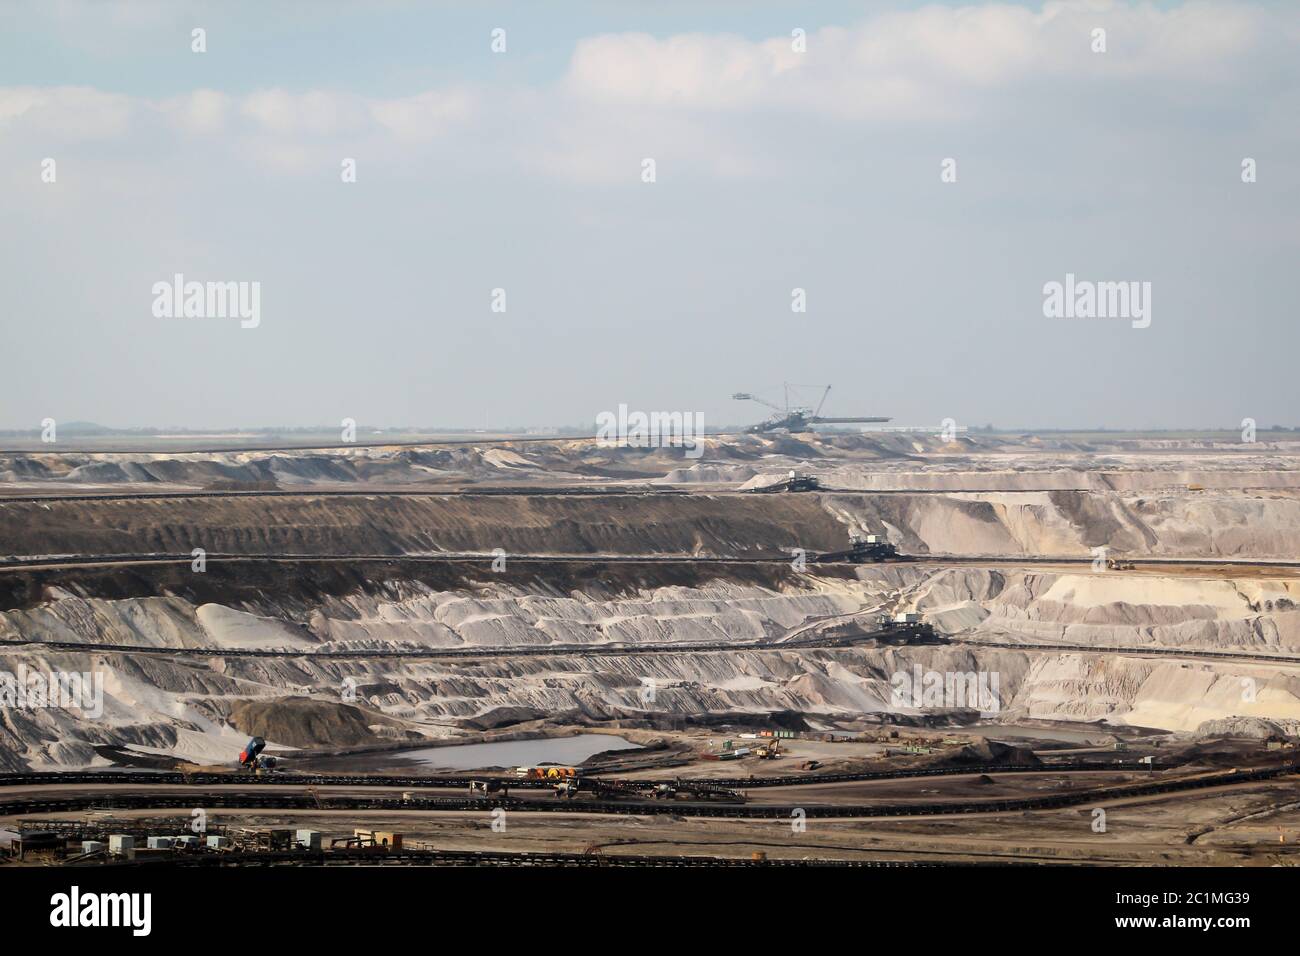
(1177,650)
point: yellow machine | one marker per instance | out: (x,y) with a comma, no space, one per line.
(546,773)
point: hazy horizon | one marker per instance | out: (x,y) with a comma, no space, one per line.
(575,430)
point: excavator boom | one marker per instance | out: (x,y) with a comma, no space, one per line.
(797,418)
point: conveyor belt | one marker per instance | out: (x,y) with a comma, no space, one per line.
(233,799)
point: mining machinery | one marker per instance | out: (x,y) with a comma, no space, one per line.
(253,760)
(796,418)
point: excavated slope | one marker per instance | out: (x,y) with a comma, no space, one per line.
(1030,524)
(635,524)
(199,707)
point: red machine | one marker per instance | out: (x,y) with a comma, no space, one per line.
(250,758)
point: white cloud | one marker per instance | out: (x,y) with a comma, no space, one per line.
(914,64)
(203,111)
(693,70)
(314,113)
(422,117)
(66,113)
(701,101)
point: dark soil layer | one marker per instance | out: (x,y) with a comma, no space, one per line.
(300,722)
(733,525)
(273,584)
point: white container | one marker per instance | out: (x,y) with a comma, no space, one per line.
(160,843)
(120,844)
(91,846)
(309,839)
(218,842)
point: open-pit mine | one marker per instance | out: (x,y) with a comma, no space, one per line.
(843,648)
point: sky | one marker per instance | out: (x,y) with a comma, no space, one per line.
(921,172)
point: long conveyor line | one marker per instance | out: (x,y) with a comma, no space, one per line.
(227,799)
(173,778)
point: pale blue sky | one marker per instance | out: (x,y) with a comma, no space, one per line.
(775,170)
(378,48)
